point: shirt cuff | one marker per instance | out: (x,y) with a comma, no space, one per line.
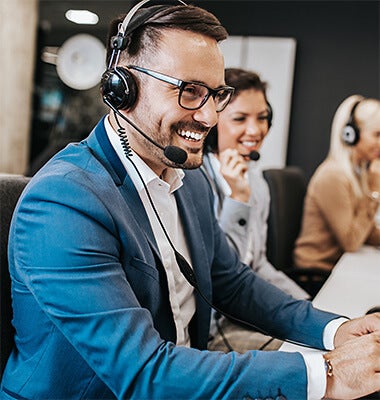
(234,211)
(316,375)
(315,363)
(330,331)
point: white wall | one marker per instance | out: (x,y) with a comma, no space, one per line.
(273,59)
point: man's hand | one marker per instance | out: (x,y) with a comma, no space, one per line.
(356,359)
(233,167)
(355,368)
(357,327)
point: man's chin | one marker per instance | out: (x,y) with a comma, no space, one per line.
(194,160)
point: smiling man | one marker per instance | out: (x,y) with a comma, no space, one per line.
(115,254)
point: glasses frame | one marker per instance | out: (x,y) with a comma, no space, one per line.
(180,84)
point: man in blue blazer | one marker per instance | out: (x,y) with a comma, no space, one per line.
(115,254)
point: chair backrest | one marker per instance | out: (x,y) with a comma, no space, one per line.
(11,187)
(287,188)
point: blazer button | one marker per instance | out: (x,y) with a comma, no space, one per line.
(280,396)
(242,222)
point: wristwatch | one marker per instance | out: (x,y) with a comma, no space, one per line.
(328,367)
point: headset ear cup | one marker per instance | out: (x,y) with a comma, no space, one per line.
(270,114)
(350,134)
(119,88)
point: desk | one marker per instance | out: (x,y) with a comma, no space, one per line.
(354,284)
(352,288)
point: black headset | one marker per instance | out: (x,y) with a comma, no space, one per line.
(118,86)
(351,132)
(270,114)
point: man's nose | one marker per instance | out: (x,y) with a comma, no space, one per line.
(207,114)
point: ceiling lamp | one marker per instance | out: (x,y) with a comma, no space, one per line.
(82,17)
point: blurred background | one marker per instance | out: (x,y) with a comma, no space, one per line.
(312,53)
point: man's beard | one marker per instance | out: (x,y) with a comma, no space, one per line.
(191,162)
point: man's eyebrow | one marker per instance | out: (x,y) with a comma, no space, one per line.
(203,83)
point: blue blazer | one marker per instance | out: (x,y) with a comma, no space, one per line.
(90,296)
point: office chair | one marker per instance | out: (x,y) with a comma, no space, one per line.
(287,188)
(11,187)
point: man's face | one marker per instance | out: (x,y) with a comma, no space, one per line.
(186,56)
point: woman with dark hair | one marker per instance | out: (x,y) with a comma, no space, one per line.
(241,192)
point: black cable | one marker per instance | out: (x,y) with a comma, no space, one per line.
(123,139)
(183,265)
(267,343)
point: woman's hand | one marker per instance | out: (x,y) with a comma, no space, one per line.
(233,167)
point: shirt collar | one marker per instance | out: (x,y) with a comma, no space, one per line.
(172,177)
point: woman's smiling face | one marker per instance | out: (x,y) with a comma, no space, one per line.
(243,124)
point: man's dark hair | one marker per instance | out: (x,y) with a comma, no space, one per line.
(147,34)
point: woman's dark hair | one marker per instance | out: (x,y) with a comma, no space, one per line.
(241,80)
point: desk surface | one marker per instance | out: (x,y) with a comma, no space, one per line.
(354,284)
(352,288)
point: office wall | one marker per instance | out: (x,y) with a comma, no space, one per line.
(338,54)
(273,59)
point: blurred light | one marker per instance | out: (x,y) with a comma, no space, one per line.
(82,17)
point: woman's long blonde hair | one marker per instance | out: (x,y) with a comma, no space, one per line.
(364,117)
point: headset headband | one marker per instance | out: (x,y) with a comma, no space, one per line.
(118,87)
(126,23)
(352,113)
(129,24)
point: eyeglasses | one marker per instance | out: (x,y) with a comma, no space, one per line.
(193,95)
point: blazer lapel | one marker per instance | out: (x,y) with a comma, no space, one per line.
(102,149)
(188,213)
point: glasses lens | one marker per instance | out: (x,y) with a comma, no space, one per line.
(192,96)
(222,98)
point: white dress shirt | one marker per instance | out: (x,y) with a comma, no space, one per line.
(161,190)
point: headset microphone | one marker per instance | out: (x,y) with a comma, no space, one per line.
(172,153)
(254,155)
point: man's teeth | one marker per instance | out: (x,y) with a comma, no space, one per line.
(191,135)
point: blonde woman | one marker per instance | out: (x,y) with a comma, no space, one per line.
(344,192)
